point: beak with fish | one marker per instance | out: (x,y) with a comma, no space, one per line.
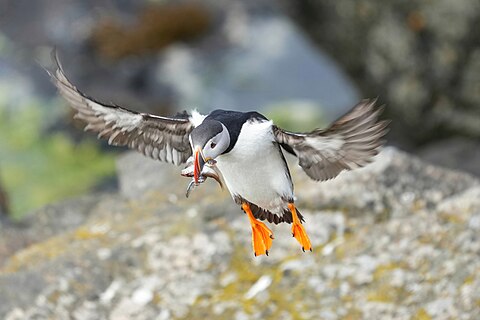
(199,170)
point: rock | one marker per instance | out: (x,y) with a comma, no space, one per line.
(47,223)
(396,239)
(421,58)
(455,153)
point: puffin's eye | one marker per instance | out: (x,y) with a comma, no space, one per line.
(213,145)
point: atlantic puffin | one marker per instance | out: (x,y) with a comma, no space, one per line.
(246,148)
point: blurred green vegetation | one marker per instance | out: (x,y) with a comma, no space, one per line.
(37,168)
(296,116)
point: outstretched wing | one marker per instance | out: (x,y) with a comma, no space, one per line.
(350,142)
(162,138)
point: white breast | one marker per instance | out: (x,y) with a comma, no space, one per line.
(255,169)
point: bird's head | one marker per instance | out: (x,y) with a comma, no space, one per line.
(209,140)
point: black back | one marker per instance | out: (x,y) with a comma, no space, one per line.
(233,121)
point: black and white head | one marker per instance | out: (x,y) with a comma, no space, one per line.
(209,140)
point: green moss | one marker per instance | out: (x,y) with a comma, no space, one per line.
(38,168)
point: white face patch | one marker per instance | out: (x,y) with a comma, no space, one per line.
(217,145)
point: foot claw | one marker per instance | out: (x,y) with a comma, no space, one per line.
(301,235)
(298,231)
(261,238)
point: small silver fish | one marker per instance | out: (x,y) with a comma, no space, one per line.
(192,185)
(208,171)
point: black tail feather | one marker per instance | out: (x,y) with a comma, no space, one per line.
(263,214)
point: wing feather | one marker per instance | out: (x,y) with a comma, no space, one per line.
(161,138)
(350,142)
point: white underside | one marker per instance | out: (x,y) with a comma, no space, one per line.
(255,170)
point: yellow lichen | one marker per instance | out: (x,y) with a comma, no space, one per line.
(421,315)
(86,233)
(52,248)
(382,270)
(280,295)
(35,253)
(353,314)
(348,246)
(469,280)
(451,217)
(387,293)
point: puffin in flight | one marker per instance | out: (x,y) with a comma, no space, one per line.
(246,148)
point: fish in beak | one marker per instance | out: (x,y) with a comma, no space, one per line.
(200,169)
(198,163)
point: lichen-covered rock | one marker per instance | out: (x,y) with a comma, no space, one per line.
(420,57)
(395,240)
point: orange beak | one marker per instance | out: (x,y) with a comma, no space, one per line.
(199,162)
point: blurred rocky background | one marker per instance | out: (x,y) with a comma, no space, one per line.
(398,240)
(421,58)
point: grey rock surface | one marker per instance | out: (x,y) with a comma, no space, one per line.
(455,153)
(397,239)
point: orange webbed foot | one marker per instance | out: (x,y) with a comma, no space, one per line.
(262,236)
(298,231)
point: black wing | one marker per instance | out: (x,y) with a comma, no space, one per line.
(350,142)
(162,138)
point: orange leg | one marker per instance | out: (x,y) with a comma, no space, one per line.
(298,230)
(261,235)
